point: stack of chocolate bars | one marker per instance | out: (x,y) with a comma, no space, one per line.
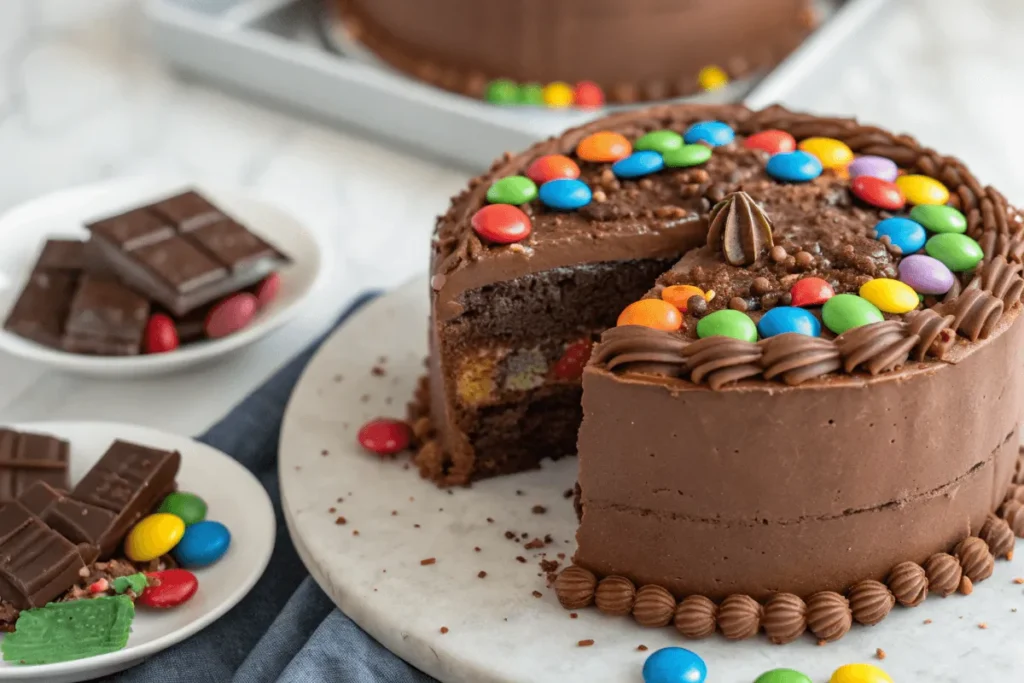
(178,258)
(49,532)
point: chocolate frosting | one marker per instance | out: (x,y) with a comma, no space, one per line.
(909,583)
(944,573)
(870,601)
(740,229)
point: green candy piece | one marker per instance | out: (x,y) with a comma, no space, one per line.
(937,218)
(687,155)
(502,91)
(727,323)
(514,189)
(136,582)
(659,141)
(65,631)
(531,94)
(957,252)
(783,676)
(188,507)
(846,311)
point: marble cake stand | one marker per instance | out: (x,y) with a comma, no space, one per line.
(508,626)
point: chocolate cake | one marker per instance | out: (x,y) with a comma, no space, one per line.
(807,378)
(636,50)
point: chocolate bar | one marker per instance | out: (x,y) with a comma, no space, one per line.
(42,308)
(26,458)
(105,318)
(37,564)
(38,498)
(183,252)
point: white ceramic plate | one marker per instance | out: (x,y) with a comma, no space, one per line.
(25,229)
(499,631)
(234,498)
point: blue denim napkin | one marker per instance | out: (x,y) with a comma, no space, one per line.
(286,629)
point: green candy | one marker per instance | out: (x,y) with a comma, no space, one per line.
(514,189)
(502,91)
(659,141)
(188,507)
(65,631)
(957,252)
(531,94)
(937,218)
(137,583)
(687,155)
(783,676)
(846,311)
(727,323)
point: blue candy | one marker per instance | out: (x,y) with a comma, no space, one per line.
(638,164)
(203,544)
(714,133)
(784,319)
(565,193)
(794,167)
(906,234)
(674,665)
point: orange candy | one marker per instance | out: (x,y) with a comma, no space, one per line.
(552,167)
(678,295)
(603,147)
(653,313)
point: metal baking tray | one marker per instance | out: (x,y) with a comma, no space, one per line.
(284,50)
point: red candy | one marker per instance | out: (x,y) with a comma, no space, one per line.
(385,436)
(161,334)
(501,223)
(771,141)
(552,167)
(588,95)
(99,586)
(230,315)
(267,290)
(570,365)
(811,291)
(878,192)
(168,588)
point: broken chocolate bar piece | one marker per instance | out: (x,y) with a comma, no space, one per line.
(75,521)
(42,307)
(38,498)
(188,211)
(37,564)
(26,458)
(106,318)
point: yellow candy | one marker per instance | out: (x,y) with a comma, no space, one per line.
(920,189)
(859,673)
(890,296)
(558,95)
(712,78)
(830,152)
(153,536)
(474,382)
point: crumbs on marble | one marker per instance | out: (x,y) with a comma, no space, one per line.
(538,509)
(927,621)
(427,562)
(982,625)
(338,378)
(879,653)
(534,544)
(415,526)
(324,452)
(378,371)
(1019,580)
(481,574)
(331,511)
(537,594)
(585,643)
(476,549)
(355,532)
(567,493)
(490,520)
(641,648)
(394,513)
(573,615)
(520,559)
(444,630)
(518,492)
(365,398)
(340,520)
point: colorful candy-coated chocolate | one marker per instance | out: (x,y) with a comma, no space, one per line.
(136,583)
(588,95)
(552,167)
(727,323)
(687,155)
(513,189)
(385,436)
(266,291)
(874,166)
(830,152)
(783,676)
(188,507)
(638,164)
(939,218)
(859,673)
(169,588)
(674,665)
(811,291)
(920,189)
(161,334)
(714,133)
(907,234)
(531,94)
(877,192)
(153,536)
(502,91)
(772,141)
(558,95)
(846,311)
(565,194)
(712,78)
(230,315)
(783,319)
(679,295)
(603,147)
(660,141)
(574,359)
(653,313)
(926,275)
(957,252)
(501,223)
(99,586)
(203,544)
(890,296)
(794,167)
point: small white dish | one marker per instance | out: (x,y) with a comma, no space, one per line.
(234,497)
(63,214)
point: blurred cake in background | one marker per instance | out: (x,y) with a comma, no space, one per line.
(565,52)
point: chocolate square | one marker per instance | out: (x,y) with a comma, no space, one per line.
(42,307)
(105,318)
(232,244)
(132,230)
(187,211)
(36,563)
(63,255)
(26,458)
(180,264)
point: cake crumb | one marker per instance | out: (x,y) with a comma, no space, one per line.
(520,559)
(518,492)
(394,513)
(340,520)
(567,493)
(548,538)
(490,520)
(534,544)
(537,594)
(324,452)
(641,648)
(574,615)
(365,398)
(476,549)
(927,621)
(355,532)
(415,526)
(338,378)
(427,562)
(879,653)
(1019,580)
(340,500)
(538,509)
(585,643)
(332,510)
(481,574)
(822,643)
(510,535)
(549,566)
(444,629)
(525,535)
(560,556)
(983,626)
(411,499)
(378,371)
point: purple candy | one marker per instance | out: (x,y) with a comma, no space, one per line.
(925,275)
(876,167)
